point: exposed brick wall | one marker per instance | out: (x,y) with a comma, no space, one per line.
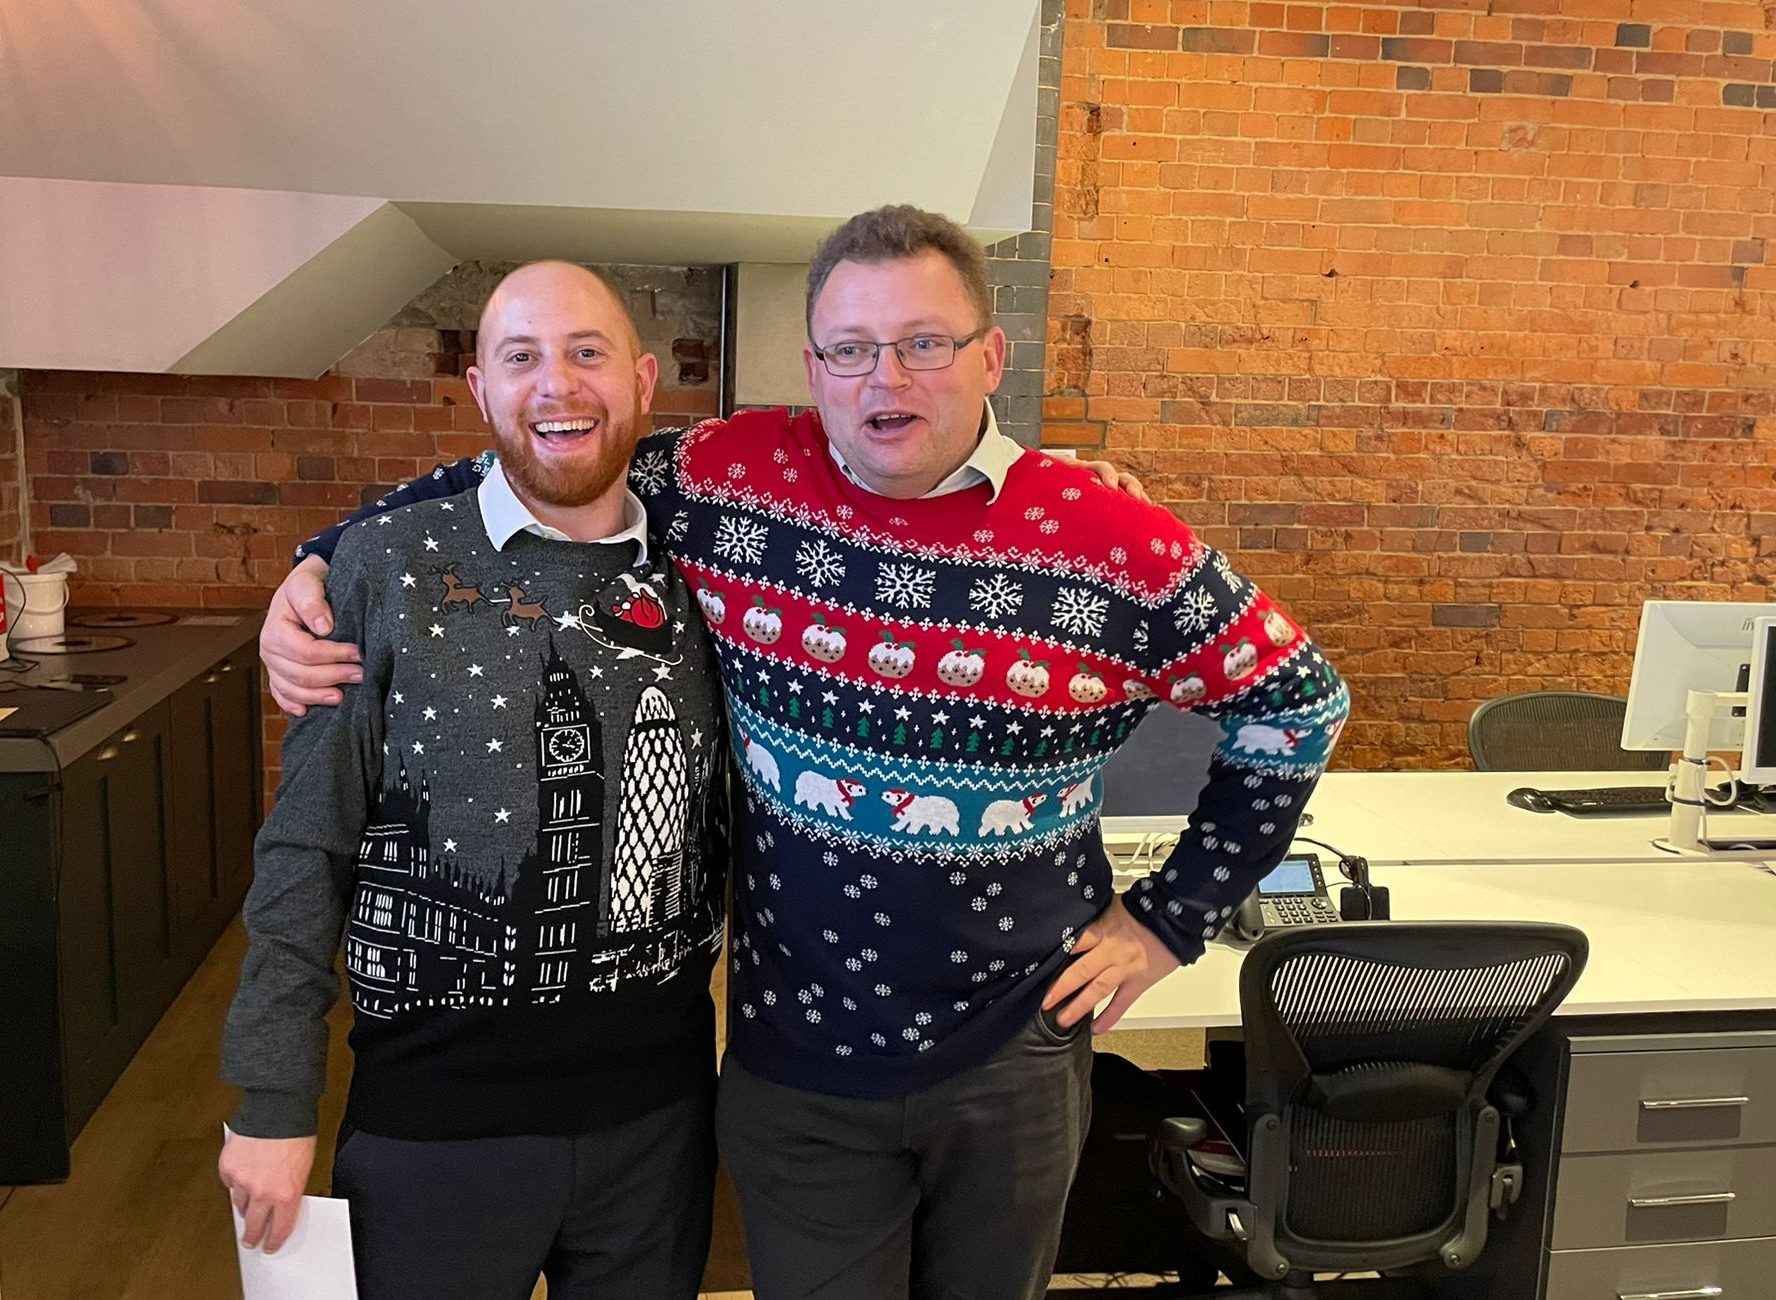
(12,472)
(1454,324)
(1018,268)
(191,491)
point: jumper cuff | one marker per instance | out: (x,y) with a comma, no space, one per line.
(264,1113)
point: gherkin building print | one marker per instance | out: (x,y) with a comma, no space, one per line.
(648,886)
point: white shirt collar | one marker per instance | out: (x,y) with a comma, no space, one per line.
(989,463)
(503,515)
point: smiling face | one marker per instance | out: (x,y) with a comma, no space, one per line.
(902,431)
(561,378)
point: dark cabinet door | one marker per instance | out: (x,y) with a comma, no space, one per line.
(214,793)
(240,781)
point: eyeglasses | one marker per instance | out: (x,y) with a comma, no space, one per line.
(849,358)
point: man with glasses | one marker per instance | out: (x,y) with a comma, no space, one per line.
(931,641)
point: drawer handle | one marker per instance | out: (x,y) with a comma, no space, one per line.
(212,679)
(1666,1202)
(228,666)
(1694,1293)
(1696,1103)
(131,737)
(108,753)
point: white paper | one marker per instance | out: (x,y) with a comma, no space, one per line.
(314,1264)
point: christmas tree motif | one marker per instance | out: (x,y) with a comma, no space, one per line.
(863,727)
(900,733)
(974,743)
(795,706)
(648,872)
(1006,748)
(826,717)
(939,737)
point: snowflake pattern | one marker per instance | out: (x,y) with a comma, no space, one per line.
(648,473)
(996,596)
(1195,611)
(680,526)
(740,540)
(819,563)
(1079,612)
(905,586)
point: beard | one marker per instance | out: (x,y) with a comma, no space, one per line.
(574,480)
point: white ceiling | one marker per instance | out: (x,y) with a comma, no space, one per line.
(678,132)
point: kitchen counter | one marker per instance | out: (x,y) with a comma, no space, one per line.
(126,846)
(162,658)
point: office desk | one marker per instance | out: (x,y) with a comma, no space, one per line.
(1410,818)
(1427,817)
(1668,938)
(1678,1002)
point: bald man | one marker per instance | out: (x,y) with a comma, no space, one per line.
(512,822)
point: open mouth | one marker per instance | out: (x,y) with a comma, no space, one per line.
(890,421)
(561,434)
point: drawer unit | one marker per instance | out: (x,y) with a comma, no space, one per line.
(1728,1270)
(1644,1197)
(1626,1101)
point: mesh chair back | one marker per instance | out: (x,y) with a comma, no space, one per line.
(1401,1012)
(1555,731)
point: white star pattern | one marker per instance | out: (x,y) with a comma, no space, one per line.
(494,747)
(429,714)
(475,670)
(418,748)
(406,579)
(565,621)
(499,701)
(431,543)
(450,846)
(502,816)
(436,629)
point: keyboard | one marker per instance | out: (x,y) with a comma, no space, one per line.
(1609,799)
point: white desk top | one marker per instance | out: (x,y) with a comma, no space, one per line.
(1672,936)
(1395,818)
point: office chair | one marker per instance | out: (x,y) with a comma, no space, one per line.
(1371,1142)
(1549,731)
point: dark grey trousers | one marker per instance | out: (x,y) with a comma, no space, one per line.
(621,1214)
(954,1193)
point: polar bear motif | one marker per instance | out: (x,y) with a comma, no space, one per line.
(1075,796)
(1259,738)
(923,812)
(1009,815)
(763,762)
(834,797)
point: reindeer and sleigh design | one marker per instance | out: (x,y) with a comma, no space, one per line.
(628,617)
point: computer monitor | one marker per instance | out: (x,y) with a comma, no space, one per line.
(1758,764)
(1684,646)
(1152,782)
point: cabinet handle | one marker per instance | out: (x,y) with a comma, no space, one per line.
(1666,1202)
(212,679)
(1694,1293)
(108,753)
(228,665)
(131,736)
(1696,1103)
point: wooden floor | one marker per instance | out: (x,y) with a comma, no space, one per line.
(143,1218)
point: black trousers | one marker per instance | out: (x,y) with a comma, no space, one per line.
(621,1214)
(955,1193)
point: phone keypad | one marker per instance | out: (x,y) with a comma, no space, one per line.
(1297,909)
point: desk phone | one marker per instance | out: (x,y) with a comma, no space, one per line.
(1293,893)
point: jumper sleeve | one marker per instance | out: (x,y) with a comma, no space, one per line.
(443,481)
(1230,654)
(274,1045)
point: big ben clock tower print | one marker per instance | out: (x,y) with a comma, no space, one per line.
(570,816)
